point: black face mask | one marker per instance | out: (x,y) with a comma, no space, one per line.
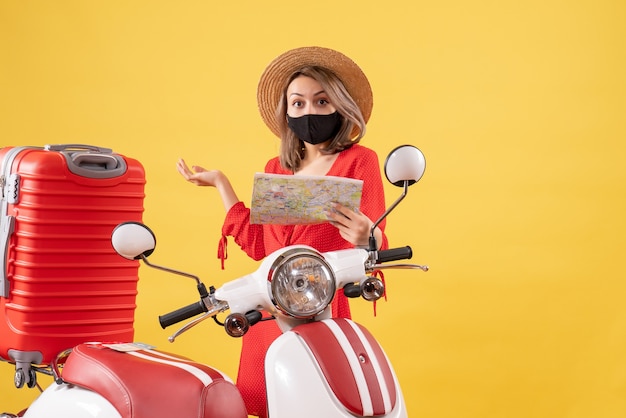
(315,129)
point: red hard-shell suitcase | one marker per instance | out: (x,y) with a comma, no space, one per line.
(61,282)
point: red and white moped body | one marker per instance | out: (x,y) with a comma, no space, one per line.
(331,368)
(318,367)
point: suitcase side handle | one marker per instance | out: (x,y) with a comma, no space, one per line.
(7,227)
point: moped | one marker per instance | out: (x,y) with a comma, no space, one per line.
(318,367)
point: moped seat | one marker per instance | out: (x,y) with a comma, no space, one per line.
(149,383)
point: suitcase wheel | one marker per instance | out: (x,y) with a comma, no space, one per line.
(28,377)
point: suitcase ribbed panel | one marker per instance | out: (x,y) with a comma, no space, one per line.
(67,284)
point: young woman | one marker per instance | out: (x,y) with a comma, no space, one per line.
(317,101)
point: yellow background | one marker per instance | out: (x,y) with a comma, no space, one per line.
(518,106)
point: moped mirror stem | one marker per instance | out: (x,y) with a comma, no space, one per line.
(169,270)
(373,245)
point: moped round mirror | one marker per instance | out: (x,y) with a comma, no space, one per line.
(133,240)
(404,166)
(405,163)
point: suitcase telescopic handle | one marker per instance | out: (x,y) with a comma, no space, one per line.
(91,161)
(81,147)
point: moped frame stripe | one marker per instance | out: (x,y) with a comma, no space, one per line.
(333,363)
(198,373)
(378,369)
(354,365)
(366,362)
(353,361)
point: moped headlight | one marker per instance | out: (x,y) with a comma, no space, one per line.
(301,283)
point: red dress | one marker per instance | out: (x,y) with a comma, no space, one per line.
(357,162)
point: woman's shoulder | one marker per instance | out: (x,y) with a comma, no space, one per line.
(355,161)
(273,166)
(358,151)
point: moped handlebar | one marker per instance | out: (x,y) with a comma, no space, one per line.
(181,314)
(394,254)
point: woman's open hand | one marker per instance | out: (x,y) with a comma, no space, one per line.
(198,175)
(214,178)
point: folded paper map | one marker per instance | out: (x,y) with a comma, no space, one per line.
(297,200)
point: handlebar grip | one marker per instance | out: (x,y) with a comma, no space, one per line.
(181,314)
(393,254)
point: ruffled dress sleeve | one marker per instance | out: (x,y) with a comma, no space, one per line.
(250,237)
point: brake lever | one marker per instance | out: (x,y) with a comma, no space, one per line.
(399,267)
(219,307)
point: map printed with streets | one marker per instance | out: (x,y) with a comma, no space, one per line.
(297,200)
